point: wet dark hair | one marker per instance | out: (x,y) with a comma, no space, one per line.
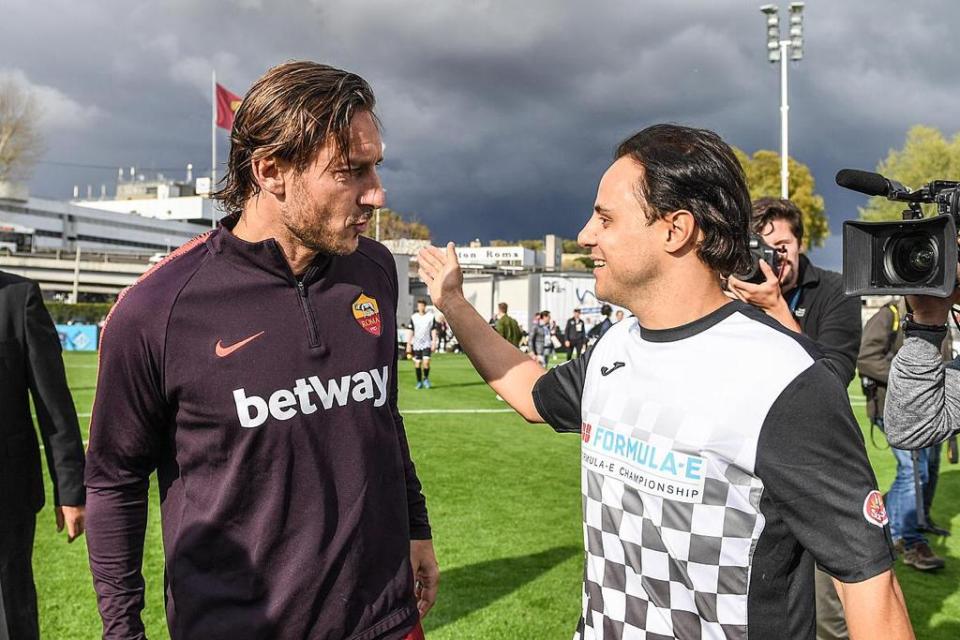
(766,210)
(693,169)
(290,113)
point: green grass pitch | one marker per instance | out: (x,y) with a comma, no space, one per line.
(504,502)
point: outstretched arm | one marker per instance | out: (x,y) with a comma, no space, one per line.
(875,608)
(508,371)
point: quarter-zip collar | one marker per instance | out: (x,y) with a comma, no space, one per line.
(265,255)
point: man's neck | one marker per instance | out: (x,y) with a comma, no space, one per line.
(253,226)
(676,302)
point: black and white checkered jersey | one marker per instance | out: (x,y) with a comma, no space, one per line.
(719,459)
(422,326)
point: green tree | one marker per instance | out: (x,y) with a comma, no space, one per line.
(571,246)
(393,226)
(926,155)
(536,245)
(763,179)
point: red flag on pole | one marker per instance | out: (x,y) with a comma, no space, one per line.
(227,105)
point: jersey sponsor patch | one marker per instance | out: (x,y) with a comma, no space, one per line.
(311,394)
(873,510)
(367,313)
(659,471)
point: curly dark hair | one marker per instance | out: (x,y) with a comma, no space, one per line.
(693,169)
(289,113)
(766,210)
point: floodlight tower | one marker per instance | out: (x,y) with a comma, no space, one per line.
(779,51)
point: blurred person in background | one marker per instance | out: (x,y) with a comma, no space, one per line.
(539,337)
(423,342)
(506,326)
(575,335)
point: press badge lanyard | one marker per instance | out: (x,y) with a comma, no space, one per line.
(794,299)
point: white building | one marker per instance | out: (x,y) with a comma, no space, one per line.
(81,252)
(160,198)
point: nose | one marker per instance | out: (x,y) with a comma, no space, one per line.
(586,238)
(375,196)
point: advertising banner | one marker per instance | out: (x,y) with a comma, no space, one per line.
(560,295)
(78,337)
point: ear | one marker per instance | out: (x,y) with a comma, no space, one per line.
(270,174)
(681,230)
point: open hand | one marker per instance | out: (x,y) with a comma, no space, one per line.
(440,271)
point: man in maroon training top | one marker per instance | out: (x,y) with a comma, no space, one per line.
(254,370)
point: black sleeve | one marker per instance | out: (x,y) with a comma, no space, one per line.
(416,502)
(812,461)
(56,414)
(127,433)
(839,334)
(557,394)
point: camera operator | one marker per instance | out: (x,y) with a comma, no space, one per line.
(807,300)
(911,494)
(923,396)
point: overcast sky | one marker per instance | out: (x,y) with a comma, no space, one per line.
(499,117)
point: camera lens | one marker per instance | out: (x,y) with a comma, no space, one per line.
(911,258)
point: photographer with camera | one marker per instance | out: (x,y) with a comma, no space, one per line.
(808,300)
(802,297)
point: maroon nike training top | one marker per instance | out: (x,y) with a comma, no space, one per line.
(268,407)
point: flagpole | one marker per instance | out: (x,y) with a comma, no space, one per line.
(213,143)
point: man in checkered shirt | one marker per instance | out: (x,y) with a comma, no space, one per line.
(720,457)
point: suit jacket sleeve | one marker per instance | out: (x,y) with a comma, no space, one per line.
(56,414)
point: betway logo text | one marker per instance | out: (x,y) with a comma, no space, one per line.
(310,394)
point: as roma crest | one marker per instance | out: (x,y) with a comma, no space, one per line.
(873,510)
(367,313)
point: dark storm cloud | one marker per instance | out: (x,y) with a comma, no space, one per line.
(499,117)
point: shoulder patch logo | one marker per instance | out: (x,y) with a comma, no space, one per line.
(873,510)
(367,313)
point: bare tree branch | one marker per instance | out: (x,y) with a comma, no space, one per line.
(21,143)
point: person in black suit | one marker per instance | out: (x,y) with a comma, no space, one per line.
(30,360)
